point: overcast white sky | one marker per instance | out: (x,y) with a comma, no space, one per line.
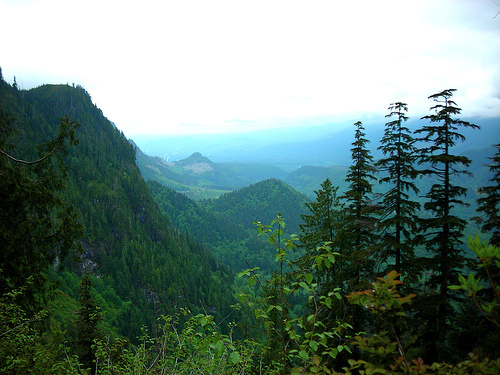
(180,67)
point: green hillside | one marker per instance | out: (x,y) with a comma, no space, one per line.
(261,202)
(225,224)
(150,267)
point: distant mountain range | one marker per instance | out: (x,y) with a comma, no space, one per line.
(198,177)
(293,147)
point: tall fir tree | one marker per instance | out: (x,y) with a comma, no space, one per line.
(489,202)
(442,231)
(360,206)
(398,209)
(361,211)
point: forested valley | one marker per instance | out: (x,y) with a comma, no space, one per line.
(389,265)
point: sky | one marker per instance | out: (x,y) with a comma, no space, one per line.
(193,67)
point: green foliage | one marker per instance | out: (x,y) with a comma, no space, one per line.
(24,346)
(384,348)
(303,341)
(37,225)
(198,346)
(489,261)
(384,351)
(325,219)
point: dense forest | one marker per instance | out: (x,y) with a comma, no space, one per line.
(226,224)
(373,272)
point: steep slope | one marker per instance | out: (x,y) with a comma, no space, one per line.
(128,242)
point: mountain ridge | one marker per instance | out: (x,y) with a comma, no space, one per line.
(319,145)
(127,241)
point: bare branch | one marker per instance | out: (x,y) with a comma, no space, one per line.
(27,162)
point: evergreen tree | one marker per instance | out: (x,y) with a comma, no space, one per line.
(398,222)
(442,232)
(323,223)
(326,224)
(489,204)
(37,227)
(359,204)
(87,325)
(361,241)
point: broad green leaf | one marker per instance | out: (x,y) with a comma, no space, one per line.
(314,345)
(220,348)
(234,357)
(303,354)
(244,273)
